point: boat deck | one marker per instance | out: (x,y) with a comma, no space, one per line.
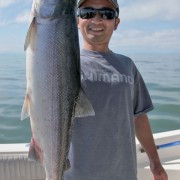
(14,162)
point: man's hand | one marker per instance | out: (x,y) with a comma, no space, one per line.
(158,171)
(145,137)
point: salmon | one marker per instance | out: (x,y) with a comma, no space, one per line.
(54,96)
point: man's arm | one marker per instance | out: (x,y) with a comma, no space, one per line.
(145,137)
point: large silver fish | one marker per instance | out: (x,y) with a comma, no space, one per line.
(54,95)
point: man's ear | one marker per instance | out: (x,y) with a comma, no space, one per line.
(117,21)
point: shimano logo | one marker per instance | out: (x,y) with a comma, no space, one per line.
(108,78)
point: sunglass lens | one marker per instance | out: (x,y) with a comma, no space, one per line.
(107,13)
(87,13)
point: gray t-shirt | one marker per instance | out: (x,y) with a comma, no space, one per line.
(103,146)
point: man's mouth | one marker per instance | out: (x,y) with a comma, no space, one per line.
(96,29)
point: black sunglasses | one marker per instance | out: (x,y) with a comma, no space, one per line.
(89,12)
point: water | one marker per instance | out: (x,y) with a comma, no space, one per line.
(12,91)
(160,72)
(162,76)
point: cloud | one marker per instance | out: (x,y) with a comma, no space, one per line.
(153,9)
(23,17)
(163,40)
(3,21)
(6,3)
(19,19)
(14,12)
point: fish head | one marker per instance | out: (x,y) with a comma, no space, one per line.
(50,8)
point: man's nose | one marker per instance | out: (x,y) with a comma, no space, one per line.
(97,18)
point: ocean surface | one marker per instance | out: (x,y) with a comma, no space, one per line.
(160,72)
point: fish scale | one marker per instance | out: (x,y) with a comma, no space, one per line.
(54,96)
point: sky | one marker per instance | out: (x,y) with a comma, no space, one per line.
(147,26)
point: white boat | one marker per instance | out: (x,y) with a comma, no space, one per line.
(169,152)
(14,164)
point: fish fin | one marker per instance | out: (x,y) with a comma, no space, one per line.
(32,153)
(28,36)
(26,108)
(67,165)
(35,152)
(83,106)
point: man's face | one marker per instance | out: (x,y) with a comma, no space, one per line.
(97,31)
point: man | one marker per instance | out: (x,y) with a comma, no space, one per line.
(103,146)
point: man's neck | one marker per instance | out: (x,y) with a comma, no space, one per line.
(99,48)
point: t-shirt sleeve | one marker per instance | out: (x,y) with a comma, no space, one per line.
(142,102)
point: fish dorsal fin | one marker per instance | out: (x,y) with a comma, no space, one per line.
(28,36)
(83,106)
